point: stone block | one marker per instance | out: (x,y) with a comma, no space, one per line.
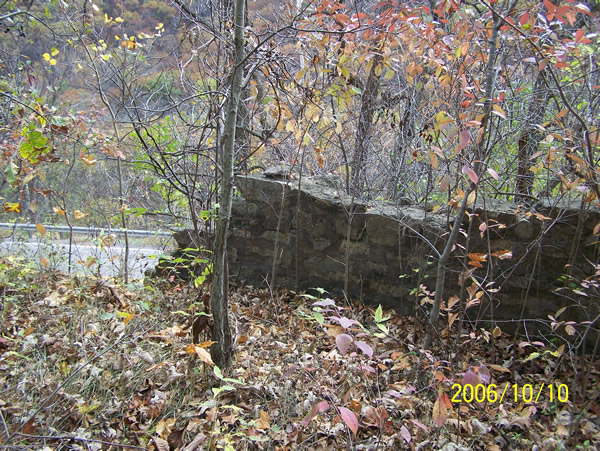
(382,230)
(357,228)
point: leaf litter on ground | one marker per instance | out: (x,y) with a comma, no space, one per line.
(86,363)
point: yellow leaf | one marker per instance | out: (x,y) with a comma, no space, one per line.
(46,56)
(89,160)
(499,111)
(206,344)
(79,214)
(202,354)
(106,56)
(165,426)
(159,26)
(119,20)
(86,408)
(59,211)
(12,207)
(264,422)
(107,19)
(41,229)
(306,139)
(54,51)
(471,198)
(127,317)
(53,62)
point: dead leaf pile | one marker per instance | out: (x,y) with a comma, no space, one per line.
(87,363)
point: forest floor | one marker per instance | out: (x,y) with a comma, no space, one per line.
(87,364)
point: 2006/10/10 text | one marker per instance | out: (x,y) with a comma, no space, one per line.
(525,393)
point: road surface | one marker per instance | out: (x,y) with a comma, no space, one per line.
(56,254)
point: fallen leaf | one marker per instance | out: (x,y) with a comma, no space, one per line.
(349,418)
(264,422)
(440,412)
(317,408)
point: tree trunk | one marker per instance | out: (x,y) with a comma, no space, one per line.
(367,110)
(221,351)
(480,156)
(530,136)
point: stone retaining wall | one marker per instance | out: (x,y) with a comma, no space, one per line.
(301,234)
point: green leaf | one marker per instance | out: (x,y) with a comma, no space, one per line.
(181,312)
(306,139)
(532,356)
(217,391)
(33,146)
(379,314)
(319,317)
(383,328)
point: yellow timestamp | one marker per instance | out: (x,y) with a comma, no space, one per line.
(492,393)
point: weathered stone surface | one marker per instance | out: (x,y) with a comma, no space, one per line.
(303,225)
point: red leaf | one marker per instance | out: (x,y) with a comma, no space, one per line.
(30,427)
(444,184)
(349,418)
(364,347)
(405,433)
(493,173)
(463,139)
(549,6)
(578,35)
(470,378)
(343,342)
(344,322)
(420,425)
(440,413)
(484,374)
(446,400)
(524,19)
(471,174)
(482,228)
(317,408)
(342,18)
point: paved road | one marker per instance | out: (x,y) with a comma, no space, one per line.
(110,258)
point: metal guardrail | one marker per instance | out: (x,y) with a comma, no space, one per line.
(85,230)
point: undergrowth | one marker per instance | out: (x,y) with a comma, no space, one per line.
(86,363)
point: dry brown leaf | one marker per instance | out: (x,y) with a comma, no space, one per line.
(264,422)
(161,445)
(201,353)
